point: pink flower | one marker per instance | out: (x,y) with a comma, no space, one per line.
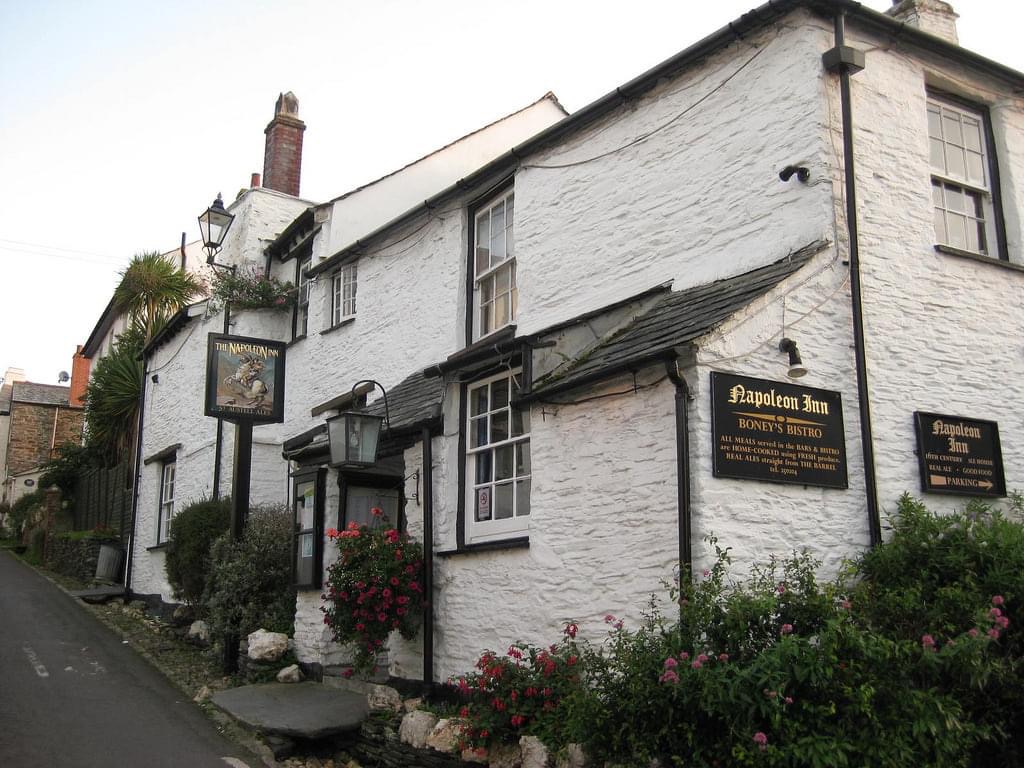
(781,588)
(608,619)
(571,630)
(377,512)
(786,629)
(1003,622)
(618,624)
(697,664)
(993,633)
(761,740)
(972,632)
(706,573)
(723,657)
(994,612)
(702,658)
(332,533)
(517,720)
(684,656)
(788,700)
(998,600)
(846,605)
(927,641)
(668,676)
(347,672)
(671,663)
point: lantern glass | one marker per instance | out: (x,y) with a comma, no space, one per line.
(214,223)
(353,438)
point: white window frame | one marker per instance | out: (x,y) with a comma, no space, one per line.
(344,283)
(519,476)
(165,508)
(302,300)
(963,200)
(494,278)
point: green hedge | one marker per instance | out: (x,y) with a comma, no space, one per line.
(193,531)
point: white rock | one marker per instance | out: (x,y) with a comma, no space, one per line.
(203,694)
(199,631)
(445,735)
(383,697)
(505,756)
(290,674)
(477,755)
(267,646)
(535,754)
(416,727)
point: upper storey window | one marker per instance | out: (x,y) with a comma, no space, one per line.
(494,266)
(963,192)
(301,324)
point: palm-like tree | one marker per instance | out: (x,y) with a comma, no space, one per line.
(152,289)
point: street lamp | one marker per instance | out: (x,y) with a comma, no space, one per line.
(354,436)
(214,224)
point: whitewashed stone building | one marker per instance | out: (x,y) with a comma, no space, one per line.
(550,326)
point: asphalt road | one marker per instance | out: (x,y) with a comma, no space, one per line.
(72,695)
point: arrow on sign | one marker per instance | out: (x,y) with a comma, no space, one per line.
(965,482)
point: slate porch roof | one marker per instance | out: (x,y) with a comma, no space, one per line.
(677,319)
(39,394)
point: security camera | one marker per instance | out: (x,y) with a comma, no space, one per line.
(802,174)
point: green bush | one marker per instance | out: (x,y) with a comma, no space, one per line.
(250,583)
(912,657)
(22,512)
(64,469)
(193,531)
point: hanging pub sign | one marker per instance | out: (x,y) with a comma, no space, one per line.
(959,456)
(245,379)
(775,431)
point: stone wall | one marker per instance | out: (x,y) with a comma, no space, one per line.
(35,428)
(74,557)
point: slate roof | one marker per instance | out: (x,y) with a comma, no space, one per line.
(413,403)
(677,319)
(40,394)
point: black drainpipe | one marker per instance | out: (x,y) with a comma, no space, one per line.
(845,60)
(135,484)
(219,448)
(428,560)
(683,397)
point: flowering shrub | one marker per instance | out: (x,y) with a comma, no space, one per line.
(251,289)
(373,588)
(519,692)
(912,657)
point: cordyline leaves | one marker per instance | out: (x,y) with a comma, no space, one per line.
(152,289)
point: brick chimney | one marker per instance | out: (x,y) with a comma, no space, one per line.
(282,159)
(80,365)
(932,16)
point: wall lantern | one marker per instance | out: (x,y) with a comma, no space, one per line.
(796,365)
(354,436)
(214,224)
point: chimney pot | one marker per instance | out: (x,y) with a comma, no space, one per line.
(932,16)
(255,182)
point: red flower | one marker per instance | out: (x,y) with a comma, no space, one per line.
(376,511)
(394,581)
(518,720)
(571,630)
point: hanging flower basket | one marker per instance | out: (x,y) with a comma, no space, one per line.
(374,588)
(251,289)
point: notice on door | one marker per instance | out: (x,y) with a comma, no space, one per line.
(776,431)
(959,456)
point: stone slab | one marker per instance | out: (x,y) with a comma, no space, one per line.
(98,594)
(297,710)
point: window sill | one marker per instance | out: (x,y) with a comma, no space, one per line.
(157,547)
(336,326)
(951,251)
(520,542)
(296,340)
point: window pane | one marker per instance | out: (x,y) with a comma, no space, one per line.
(937,155)
(478,401)
(499,394)
(303,562)
(502,279)
(499,426)
(957,230)
(954,199)
(304,501)
(503,501)
(975,203)
(520,423)
(522,459)
(951,128)
(522,498)
(937,194)
(955,163)
(503,457)
(498,234)
(975,169)
(483,468)
(972,134)
(501,310)
(934,122)
(940,226)
(482,504)
(483,256)
(975,236)
(509,247)
(478,432)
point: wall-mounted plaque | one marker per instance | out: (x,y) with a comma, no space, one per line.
(959,456)
(245,379)
(776,431)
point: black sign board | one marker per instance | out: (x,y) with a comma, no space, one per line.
(776,431)
(959,456)
(245,379)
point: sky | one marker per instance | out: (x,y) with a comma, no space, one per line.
(121,121)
